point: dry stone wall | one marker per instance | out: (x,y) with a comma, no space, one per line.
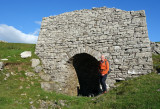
(155,47)
(121,36)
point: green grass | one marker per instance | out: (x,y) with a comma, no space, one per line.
(10,92)
(137,93)
(12,52)
(156,62)
(158,42)
(11,98)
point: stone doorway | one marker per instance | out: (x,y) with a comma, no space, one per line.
(86,67)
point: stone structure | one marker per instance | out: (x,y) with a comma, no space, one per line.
(155,47)
(3,41)
(70,45)
(35,62)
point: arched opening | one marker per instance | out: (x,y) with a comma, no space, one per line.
(86,67)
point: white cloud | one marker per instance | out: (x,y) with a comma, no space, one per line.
(38,22)
(11,34)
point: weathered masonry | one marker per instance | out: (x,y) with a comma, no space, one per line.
(70,46)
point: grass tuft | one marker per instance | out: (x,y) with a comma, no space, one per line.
(156,62)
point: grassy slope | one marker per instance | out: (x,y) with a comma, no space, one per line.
(10,92)
(156,62)
(12,51)
(12,97)
(138,93)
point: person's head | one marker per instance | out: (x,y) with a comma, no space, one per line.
(102,57)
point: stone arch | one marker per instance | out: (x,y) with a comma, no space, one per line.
(96,54)
(83,67)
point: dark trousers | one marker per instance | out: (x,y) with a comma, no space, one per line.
(103,83)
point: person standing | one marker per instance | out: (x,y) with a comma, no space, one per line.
(103,69)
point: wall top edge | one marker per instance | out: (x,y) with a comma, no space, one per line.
(142,12)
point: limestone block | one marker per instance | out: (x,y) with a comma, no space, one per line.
(30,74)
(38,69)
(137,13)
(133,72)
(47,86)
(120,79)
(145,54)
(146,49)
(4,59)
(123,67)
(45,77)
(146,67)
(155,48)
(35,62)
(116,66)
(98,55)
(106,54)
(1,66)
(117,47)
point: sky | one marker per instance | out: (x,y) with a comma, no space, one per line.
(20,20)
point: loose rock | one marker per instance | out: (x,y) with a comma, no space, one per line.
(32,107)
(29,74)
(23,94)
(13,73)
(26,54)
(62,102)
(8,75)
(4,59)
(35,62)
(49,104)
(21,87)
(1,66)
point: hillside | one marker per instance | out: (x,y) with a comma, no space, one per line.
(18,91)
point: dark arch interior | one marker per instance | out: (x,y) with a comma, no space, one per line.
(86,67)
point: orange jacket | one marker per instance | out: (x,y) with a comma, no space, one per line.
(104,67)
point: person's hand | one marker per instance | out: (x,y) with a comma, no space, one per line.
(103,74)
